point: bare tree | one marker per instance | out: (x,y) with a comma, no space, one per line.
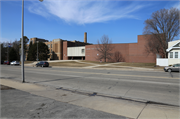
(104,48)
(16,48)
(118,57)
(164,27)
(153,45)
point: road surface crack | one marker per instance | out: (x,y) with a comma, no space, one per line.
(142,110)
(113,85)
(128,91)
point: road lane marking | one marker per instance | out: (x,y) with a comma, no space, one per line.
(110,74)
(118,74)
(115,79)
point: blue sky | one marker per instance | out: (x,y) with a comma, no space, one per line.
(121,20)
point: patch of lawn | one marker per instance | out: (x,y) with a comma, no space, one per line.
(69,64)
(27,62)
(113,67)
(95,62)
(148,65)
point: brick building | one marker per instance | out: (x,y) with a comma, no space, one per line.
(58,47)
(66,50)
(131,52)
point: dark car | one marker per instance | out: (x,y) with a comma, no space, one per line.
(175,67)
(7,62)
(2,62)
(42,64)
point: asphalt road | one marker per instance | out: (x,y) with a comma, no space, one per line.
(155,86)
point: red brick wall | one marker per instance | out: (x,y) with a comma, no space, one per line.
(65,43)
(132,52)
(91,52)
(123,49)
(142,55)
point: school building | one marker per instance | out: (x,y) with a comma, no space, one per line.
(75,50)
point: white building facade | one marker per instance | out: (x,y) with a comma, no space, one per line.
(76,52)
(173,52)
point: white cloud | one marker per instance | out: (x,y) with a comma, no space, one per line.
(83,12)
(177,5)
(38,9)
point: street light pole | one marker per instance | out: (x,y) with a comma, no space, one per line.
(37,50)
(22,44)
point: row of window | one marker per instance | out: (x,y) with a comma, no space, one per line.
(175,54)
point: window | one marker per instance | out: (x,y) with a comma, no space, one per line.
(51,45)
(48,46)
(171,54)
(176,65)
(82,51)
(176,54)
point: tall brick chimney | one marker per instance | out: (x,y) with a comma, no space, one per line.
(85,37)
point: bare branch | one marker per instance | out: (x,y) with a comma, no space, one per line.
(104,48)
(164,26)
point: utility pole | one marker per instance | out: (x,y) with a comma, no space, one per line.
(37,50)
(22,44)
(7,51)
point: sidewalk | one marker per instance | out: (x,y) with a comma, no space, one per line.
(19,104)
(127,108)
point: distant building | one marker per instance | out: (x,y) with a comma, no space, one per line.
(71,50)
(58,47)
(33,40)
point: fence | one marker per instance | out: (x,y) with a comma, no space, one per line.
(161,61)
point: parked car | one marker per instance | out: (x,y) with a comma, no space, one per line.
(42,64)
(7,62)
(174,67)
(15,63)
(2,61)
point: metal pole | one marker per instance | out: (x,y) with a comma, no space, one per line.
(22,44)
(7,52)
(37,50)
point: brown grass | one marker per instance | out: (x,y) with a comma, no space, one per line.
(69,64)
(148,65)
(140,65)
(94,62)
(27,62)
(113,67)
(117,65)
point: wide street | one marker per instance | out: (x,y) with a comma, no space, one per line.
(153,86)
